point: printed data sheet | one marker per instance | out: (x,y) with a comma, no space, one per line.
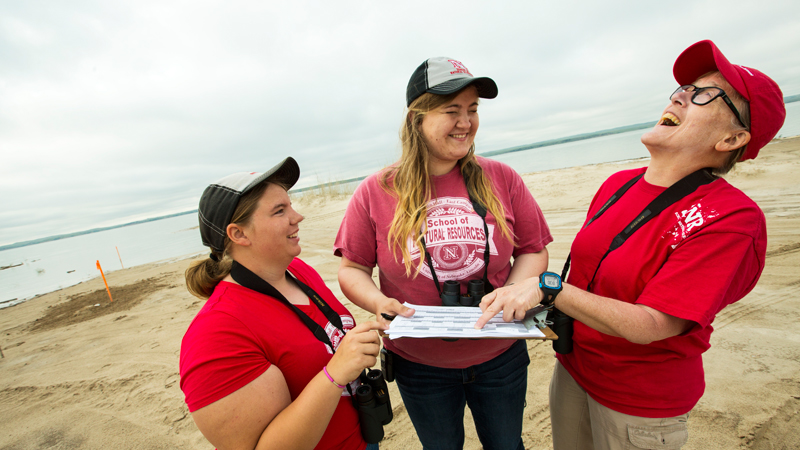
(456,322)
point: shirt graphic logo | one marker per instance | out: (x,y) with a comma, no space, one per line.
(459,67)
(335,335)
(455,238)
(687,220)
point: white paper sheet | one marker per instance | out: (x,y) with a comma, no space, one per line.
(456,322)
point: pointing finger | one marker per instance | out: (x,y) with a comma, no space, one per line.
(487,315)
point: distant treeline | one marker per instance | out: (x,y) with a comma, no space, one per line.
(573,138)
(580,137)
(549,142)
(93,230)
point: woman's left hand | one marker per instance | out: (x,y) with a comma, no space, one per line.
(514,300)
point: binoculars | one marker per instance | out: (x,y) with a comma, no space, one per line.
(373,404)
(562,327)
(451,293)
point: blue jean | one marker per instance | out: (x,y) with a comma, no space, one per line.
(372,447)
(495,392)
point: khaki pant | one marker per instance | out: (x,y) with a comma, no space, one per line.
(580,423)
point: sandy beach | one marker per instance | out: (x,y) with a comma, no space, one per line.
(80,372)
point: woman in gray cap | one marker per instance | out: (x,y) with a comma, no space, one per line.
(442,216)
(663,250)
(266,361)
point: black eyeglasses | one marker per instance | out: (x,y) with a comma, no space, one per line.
(706,95)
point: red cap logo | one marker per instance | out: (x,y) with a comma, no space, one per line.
(460,68)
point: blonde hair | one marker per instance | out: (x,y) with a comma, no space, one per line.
(203,276)
(409,181)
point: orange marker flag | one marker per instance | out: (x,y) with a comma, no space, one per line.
(104,280)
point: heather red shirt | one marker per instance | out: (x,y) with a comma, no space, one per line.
(696,257)
(240,333)
(456,239)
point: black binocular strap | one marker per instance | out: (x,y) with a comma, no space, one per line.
(248,279)
(481,211)
(611,200)
(672,194)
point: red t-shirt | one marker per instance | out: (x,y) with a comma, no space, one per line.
(456,240)
(699,255)
(239,333)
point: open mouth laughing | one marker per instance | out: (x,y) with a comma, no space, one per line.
(669,120)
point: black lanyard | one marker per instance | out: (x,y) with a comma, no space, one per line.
(672,194)
(248,279)
(481,211)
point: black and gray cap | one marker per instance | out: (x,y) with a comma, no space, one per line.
(220,199)
(442,75)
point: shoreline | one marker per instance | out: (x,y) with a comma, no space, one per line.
(79,372)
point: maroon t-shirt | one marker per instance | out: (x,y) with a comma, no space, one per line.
(703,253)
(240,333)
(456,240)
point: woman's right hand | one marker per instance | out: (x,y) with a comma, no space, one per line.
(358,350)
(358,285)
(390,308)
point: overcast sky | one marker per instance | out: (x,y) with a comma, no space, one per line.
(112,111)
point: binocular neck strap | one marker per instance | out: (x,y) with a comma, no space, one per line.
(250,280)
(481,211)
(671,195)
(430,265)
(611,200)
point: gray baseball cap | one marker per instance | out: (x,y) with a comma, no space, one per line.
(220,199)
(442,75)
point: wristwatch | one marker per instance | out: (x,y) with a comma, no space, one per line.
(550,284)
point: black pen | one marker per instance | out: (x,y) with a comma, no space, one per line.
(387,317)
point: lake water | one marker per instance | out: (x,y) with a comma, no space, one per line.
(58,264)
(53,265)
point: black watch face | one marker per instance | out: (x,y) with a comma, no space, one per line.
(551,281)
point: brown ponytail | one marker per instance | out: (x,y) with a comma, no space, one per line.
(202,276)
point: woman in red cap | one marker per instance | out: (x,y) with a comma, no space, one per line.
(266,362)
(442,216)
(663,250)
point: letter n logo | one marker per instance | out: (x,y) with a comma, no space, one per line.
(459,67)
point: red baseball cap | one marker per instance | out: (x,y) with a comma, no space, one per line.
(767,111)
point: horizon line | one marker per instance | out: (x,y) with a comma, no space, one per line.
(519,148)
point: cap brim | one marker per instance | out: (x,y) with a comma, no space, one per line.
(704,57)
(487,88)
(285,173)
